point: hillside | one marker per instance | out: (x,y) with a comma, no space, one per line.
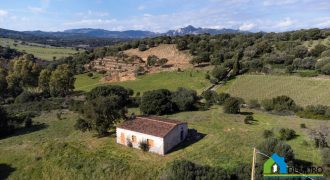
(58,150)
(44,52)
(170,80)
(304,91)
(178,59)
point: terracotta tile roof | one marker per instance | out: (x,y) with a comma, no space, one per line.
(152,125)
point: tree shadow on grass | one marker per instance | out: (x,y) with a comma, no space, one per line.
(192,137)
(246,113)
(26,130)
(5,171)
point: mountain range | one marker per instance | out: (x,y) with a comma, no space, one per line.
(101,33)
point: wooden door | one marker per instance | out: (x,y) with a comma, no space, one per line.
(122,138)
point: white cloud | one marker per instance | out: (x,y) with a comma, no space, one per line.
(247,26)
(141,8)
(35,10)
(287,22)
(278,2)
(3,13)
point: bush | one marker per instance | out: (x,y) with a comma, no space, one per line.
(144,146)
(268,133)
(248,119)
(283,103)
(287,134)
(267,104)
(183,169)
(210,97)
(142,47)
(272,145)
(222,97)
(27,96)
(302,125)
(232,106)
(90,74)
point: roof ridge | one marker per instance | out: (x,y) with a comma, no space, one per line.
(158,120)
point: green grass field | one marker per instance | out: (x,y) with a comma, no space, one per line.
(168,80)
(303,90)
(44,52)
(60,152)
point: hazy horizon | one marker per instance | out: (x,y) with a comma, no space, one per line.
(161,16)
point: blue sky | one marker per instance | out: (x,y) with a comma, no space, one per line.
(163,15)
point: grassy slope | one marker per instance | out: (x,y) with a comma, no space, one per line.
(168,80)
(38,50)
(312,43)
(60,151)
(304,91)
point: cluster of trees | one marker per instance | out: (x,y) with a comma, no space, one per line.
(25,74)
(163,101)
(231,105)
(283,134)
(153,60)
(279,104)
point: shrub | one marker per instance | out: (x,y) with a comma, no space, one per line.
(210,96)
(302,125)
(282,103)
(268,133)
(222,97)
(232,106)
(90,74)
(142,47)
(129,143)
(272,145)
(267,104)
(27,96)
(144,146)
(183,169)
(248,119)
(287,134)
(219,73)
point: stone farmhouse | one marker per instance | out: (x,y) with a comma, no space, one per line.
(160,134)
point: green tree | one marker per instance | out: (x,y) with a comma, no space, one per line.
(181,45)
(300,51)
(44,79)
(184,99)
(156,102)
(111,90)
(3,83)
(232,106)
(219,72)
(317,50)
(101,114)
(61,81)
